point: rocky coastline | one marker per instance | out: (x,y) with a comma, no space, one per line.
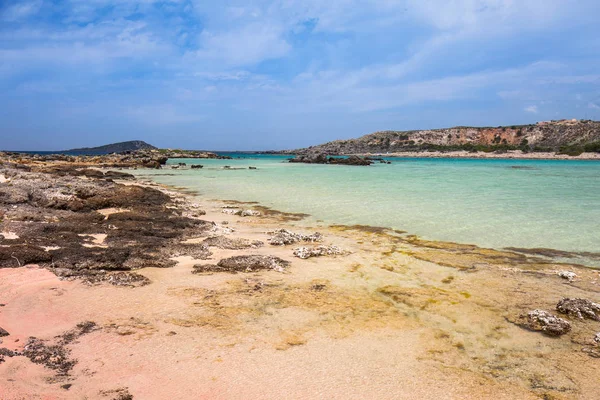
(548,139)
(100,259)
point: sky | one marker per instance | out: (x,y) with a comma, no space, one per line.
(279,74)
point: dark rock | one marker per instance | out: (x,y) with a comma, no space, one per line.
(311,158)
(321,158)
(352,160)
(22,254)
(118,175)
(3,332)
(249,263)
(224,242)
(580,308)
(197,166)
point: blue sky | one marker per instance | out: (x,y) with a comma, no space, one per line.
(250,75)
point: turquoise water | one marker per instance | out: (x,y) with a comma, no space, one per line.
(491,203)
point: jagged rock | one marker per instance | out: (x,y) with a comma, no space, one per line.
(580,308)
(241,213)
(223,242)
(118,175)
(250,213)
(197,166)
(597,338)
(249,263)
(307,252)
(568,275)
(311,158)
(283,237)
(321,158)
(3,332)
(542,321)
(352,160)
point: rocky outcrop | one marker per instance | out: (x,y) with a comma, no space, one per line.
(137,159)
(546,136)
(54,216)
(322,158)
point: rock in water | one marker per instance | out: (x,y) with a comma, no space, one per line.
(542,321)
(3,332)
(580,308)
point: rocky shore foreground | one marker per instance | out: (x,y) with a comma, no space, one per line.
(117,288)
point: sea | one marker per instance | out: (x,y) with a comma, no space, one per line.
(493,203)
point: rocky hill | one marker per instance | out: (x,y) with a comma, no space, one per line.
(564,136)
(121,147)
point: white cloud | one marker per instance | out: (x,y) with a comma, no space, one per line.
(21,10)
(247,45)
(593,106)
(531,109)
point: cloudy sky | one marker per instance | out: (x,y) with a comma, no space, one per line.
(249,75)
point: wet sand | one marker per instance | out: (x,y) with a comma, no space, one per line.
(393,318)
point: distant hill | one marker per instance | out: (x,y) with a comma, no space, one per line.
(566,136)
(121,147)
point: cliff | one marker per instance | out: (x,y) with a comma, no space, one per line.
(566,136)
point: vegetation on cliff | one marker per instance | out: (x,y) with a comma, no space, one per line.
(565,137)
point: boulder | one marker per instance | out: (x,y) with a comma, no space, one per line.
(548,324)
(307,252)
(283,237)
(580,308)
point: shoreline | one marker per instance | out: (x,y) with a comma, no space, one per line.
(391,317)
(510,155)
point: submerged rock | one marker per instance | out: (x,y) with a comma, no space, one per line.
(283,237)
(249,263)
(308,252)
(542,321)
(580,308)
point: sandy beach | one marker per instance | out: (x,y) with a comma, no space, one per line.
(392,317)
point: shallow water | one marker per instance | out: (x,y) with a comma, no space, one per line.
(491,203)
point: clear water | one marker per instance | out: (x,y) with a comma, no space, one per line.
(491,203)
